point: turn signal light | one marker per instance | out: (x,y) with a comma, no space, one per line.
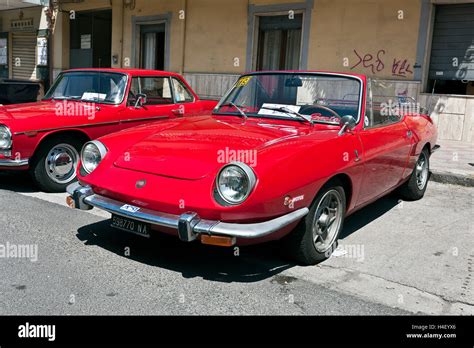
(218,240)
(70,202)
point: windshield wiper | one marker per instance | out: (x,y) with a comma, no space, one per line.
(241,112)
(290,112)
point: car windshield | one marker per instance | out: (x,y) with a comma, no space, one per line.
(312,97)
(90,86)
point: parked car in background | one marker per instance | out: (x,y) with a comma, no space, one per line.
(284,156)
(46,137)
(19,91)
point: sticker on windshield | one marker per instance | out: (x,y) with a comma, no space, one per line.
(271,109)
(93,96)
(244,81)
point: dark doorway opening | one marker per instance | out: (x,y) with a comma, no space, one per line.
(279,42)
(152,46)
(91,40)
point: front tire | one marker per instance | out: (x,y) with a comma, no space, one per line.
(415,187)
(315,238)
(54,165)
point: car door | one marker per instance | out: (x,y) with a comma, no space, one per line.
(159,103)
(386,141)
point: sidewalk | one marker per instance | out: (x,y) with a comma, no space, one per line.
(453,163)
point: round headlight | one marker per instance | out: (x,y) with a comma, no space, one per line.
(92,154)
(5,138)
(234,182)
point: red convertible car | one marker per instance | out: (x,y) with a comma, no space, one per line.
(284,155)
(46,137)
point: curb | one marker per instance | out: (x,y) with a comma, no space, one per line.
(451,178)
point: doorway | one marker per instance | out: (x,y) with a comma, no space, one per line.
(91,40)
(279,42)
(152,46)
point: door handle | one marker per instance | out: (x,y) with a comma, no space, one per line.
(409,134)
(357,159)
(178,112)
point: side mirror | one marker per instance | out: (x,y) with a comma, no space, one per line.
(347,122)
(141,100)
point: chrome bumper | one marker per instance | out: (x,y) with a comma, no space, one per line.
(189,225)
(14,163)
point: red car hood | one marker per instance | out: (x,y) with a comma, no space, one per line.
(4,114)
(27,110)
(198,146)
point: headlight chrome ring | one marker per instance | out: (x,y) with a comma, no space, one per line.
(228,178)
(5,138)
(92,154)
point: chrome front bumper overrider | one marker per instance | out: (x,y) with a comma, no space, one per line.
(189,225)
(13,163)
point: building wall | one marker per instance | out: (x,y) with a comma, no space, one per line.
(7,16)
(30,12)
(216,36)
(368,38)
(454,116)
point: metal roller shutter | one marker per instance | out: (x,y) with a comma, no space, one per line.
(452,52)
(24,48)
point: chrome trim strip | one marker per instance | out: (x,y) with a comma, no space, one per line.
(93,125)
(14,163)
(189,223)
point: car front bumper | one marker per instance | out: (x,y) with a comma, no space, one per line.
(8,163)
(188,225)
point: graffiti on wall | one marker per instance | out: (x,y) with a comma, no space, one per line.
(376,63)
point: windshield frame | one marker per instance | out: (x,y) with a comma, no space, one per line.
(301,73)
(61,75)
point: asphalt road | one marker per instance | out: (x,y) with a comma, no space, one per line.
(394,258)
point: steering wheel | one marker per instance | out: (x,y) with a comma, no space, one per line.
(315,106)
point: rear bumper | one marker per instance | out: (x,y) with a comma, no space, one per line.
(6,163)
(188,225)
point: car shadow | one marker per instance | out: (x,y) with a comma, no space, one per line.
(17,181)
(227,265)
(370,213)
(244,264)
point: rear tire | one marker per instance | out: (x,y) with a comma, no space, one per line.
(54,165)
(316,236)
(416,185)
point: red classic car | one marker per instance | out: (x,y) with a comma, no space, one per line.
(284,155)
(46,137)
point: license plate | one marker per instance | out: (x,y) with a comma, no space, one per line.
(132,226)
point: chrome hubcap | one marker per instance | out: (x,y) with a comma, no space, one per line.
(61,163)
(327,220)
(422,171)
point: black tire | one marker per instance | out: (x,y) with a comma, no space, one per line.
(411,190)
(300,245)
(38,169)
